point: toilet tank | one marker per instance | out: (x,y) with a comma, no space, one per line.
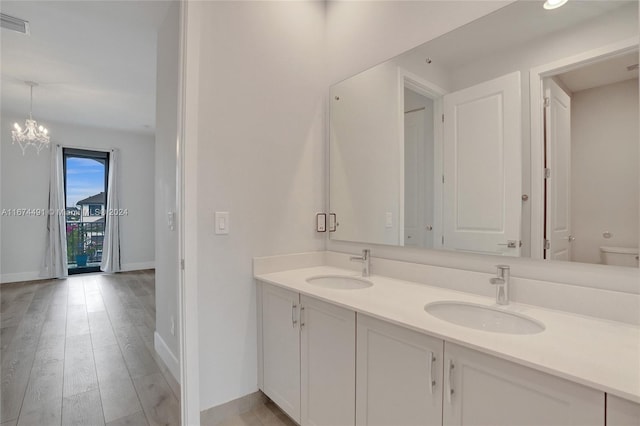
(620,256)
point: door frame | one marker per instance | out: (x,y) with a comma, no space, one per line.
(190,23)
(536,91)
(435,93)
(92,154)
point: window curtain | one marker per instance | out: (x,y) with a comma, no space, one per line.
(111,244)
(55,259)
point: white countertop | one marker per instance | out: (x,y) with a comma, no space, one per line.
(601,354)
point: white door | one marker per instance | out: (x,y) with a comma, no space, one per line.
(415,168)
(399,375)
(558,165)
(328,360)
(483,167)
(281,348)
(484,390)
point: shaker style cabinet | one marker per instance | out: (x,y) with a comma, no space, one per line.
(308,357)
(328,366)
(399,375)
(621,412)
(281,348)
(328,351)
(483,390)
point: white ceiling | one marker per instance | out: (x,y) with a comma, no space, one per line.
(511,26)
(95,62)
(612,70)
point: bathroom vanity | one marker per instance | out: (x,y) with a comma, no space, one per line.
(337,351)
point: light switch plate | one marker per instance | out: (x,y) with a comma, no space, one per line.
(389,220)
(222,223)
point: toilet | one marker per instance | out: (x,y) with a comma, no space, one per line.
(620,256)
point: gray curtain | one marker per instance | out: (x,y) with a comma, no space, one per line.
(111,245)
(55,258)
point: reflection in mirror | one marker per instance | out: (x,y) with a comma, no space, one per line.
(434,147)
(591,142)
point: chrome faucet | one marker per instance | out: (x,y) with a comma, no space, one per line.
(501,281)
(366,261)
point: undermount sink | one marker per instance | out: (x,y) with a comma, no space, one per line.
(484,318)
(339,282)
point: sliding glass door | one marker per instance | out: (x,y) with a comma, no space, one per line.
(85,181)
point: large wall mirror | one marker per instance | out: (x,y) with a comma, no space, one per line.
(515,135)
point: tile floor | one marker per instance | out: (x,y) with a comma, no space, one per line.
(264,414)
(80,351)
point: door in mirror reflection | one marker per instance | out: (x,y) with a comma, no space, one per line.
(591,161)
(482,167)
(420,204)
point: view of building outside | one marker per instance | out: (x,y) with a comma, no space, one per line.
(85,213)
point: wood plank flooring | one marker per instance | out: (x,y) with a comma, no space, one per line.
(80,351)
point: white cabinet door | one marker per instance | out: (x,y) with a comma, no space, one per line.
(281,348)
(483,167)
(399,375)
(328,351)
(484,390)
(621,412)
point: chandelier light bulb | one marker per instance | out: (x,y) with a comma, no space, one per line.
(32,135)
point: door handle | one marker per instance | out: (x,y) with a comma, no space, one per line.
(512,244)
(432,383)
(294,321)
(450,381)
(301,317)
(571,238)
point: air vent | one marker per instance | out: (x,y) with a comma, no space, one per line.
(632,67)
(14,24)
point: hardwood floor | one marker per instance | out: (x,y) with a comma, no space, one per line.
(80,351)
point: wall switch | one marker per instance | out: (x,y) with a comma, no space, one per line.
(222,223)
(321,222)
(173,325)
(389,220)
(333,222)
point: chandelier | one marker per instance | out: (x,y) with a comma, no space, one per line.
(32,134)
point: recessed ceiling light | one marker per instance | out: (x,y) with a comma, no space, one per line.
(553,4)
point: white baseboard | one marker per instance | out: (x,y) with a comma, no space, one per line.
(167,356)
(21,276)
(138,266)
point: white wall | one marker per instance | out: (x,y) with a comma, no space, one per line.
(604,168)
(367,156)
(166,247)
(261,157)
(24,183)
(361,34)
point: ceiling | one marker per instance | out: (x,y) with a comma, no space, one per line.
(94,61)
(612,70)
(512,26)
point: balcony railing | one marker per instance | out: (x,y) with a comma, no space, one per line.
(84,243)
